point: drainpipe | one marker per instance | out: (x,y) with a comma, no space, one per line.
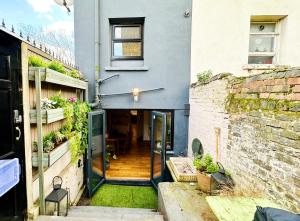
(97,54)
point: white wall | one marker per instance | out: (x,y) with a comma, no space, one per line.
(220,33)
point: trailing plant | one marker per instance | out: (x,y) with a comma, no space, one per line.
(35,61)
(57,66)
(204,76)
(74,146)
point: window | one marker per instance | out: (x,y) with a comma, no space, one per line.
(127,41)
(263,43)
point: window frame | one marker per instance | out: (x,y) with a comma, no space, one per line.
(118,40)
(274,34)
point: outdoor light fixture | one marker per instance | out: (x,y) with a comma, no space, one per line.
(65,3)
(57,202)
(135,93)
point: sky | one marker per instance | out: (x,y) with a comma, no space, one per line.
(43,15)
(39,13)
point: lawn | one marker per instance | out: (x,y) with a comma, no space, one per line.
(125,196)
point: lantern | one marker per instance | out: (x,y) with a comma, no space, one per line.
(57,202)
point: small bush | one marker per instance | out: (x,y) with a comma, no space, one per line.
(204,76)
(74,74)
(35,61)
(206,164)
(56,66)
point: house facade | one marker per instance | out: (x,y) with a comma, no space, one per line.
(221,38)
(143,47)
(231,114)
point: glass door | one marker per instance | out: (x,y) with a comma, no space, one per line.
(96,151)
(158,147)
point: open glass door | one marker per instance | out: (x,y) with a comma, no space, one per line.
(96,151)
(158,147)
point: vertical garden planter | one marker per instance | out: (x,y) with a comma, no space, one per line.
(48,116)
(50,158)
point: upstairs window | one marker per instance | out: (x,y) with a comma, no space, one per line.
(263,43)
(127,41)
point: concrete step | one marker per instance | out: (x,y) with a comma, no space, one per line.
(97,213)
(102,209)
(100,218)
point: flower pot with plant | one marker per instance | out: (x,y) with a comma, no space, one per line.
(205,167)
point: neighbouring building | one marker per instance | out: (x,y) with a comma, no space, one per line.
(139,51)
(239,117)
(244,37)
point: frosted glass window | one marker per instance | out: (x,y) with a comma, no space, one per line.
(262,27)
(127,42)
(127,32)
(127,49)
(262,43)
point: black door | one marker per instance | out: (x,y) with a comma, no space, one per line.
(158,147)
(96,151)
(12,203)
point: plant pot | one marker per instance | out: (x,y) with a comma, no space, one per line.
(204,182)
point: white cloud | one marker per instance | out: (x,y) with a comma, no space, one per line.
(41,6)
(65,27)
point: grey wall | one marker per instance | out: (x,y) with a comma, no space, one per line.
(167,39)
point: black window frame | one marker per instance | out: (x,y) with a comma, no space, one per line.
(118,40)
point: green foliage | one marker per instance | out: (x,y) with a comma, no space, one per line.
(107,157)
(35,61)
(74,146)
(205,164)
(204,76)
(59,102)
(74,74)
(57,66)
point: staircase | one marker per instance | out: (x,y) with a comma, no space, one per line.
(97,213)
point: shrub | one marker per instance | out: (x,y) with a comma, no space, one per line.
(205,164)
(204,76)
(35,61)
(56,66)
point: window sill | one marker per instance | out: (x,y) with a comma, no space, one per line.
(144,68)
(262,66)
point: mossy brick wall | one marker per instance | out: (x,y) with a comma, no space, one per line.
(263,139)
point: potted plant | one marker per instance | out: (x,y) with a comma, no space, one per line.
(107,159)
(205,167)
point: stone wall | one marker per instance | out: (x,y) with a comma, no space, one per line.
(261,147)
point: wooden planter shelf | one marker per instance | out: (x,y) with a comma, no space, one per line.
(54,77)
(50,158)
(48,116)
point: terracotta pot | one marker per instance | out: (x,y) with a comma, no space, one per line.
(204,182)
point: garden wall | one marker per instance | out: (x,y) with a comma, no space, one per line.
(259,118)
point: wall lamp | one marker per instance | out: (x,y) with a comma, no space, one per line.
(136,93)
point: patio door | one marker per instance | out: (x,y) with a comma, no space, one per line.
(158,147)
(96,151)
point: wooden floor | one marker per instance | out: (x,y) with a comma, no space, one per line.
(135,164)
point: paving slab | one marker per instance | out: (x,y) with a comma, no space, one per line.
(183,202)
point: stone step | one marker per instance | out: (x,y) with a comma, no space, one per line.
(102,209)
(139,217)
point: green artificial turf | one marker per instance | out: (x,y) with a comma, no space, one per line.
(125,196)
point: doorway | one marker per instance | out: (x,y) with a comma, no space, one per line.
(13,202)
(128,145)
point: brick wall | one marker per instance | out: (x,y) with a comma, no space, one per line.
(260,142)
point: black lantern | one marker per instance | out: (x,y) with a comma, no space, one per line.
(57,202)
